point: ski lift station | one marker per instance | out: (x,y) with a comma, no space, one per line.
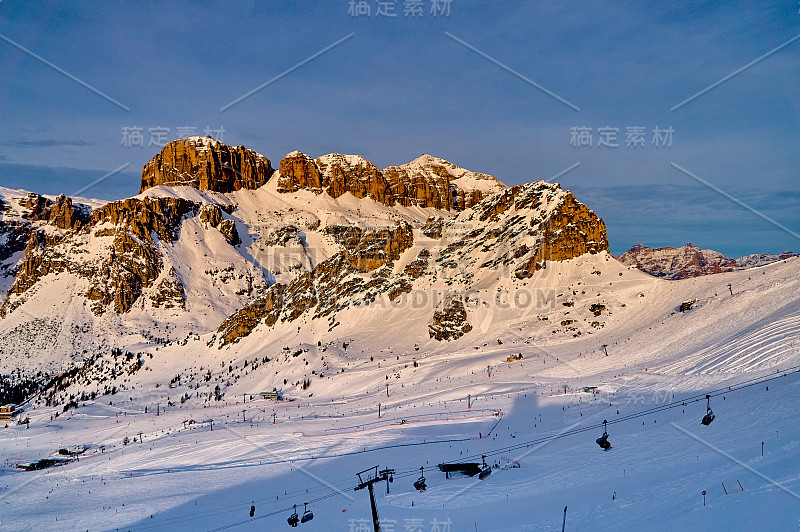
(274,396)
(8,411)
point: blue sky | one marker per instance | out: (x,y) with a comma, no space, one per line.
(401,86)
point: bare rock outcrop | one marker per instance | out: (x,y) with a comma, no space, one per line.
(60,212)
(571,230)
(424,182)
(354,276)
(211,215)
(298,170)
(353,174)
(169,292)
(206,164)
(450,321)
(134,261)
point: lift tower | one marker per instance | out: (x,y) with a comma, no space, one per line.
(366,479)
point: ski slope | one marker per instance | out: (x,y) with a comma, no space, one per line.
(190,477)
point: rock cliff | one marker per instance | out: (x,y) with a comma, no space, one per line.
(513,233)
(424,182)
(206,164)
(274,258)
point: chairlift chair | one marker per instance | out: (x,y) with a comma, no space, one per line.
(294,518)
(419,485)
(485,469)
(602,441)
(709,417)
(308,515)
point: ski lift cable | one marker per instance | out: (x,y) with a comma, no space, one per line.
(344,484)
(276,512)
(232,525)
(674,404)
(413,471)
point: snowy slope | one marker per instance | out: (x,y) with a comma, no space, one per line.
(192,478)
(554,347)
(217,278)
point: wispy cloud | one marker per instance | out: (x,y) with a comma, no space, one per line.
(43,143)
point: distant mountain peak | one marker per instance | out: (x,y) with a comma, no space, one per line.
(690,261)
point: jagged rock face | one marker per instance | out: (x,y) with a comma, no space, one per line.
(353,174)
(419,266)
(60,213)
(439,183)
(265,309)
(369,250)
(39,261)
(169,292)
(132,261)
(677,263)
(450,321)
(212,215)
(356,275)
(65,215)
(410,186)
(571,230)
(298,170)
(23,233)
(36,206)
(161,216)
(135,262)
(424,182)
(517,231)
(228,230)
(433,228)
(206,164)
(132,266)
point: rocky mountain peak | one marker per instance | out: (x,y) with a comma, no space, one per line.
(206,164)
(677,263)
(691,261)
(760,259)
(283,259)
(426,181)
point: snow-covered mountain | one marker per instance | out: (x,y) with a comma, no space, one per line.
(760,259)
(403,331)
(218,243)
(691,261)
(175,437)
